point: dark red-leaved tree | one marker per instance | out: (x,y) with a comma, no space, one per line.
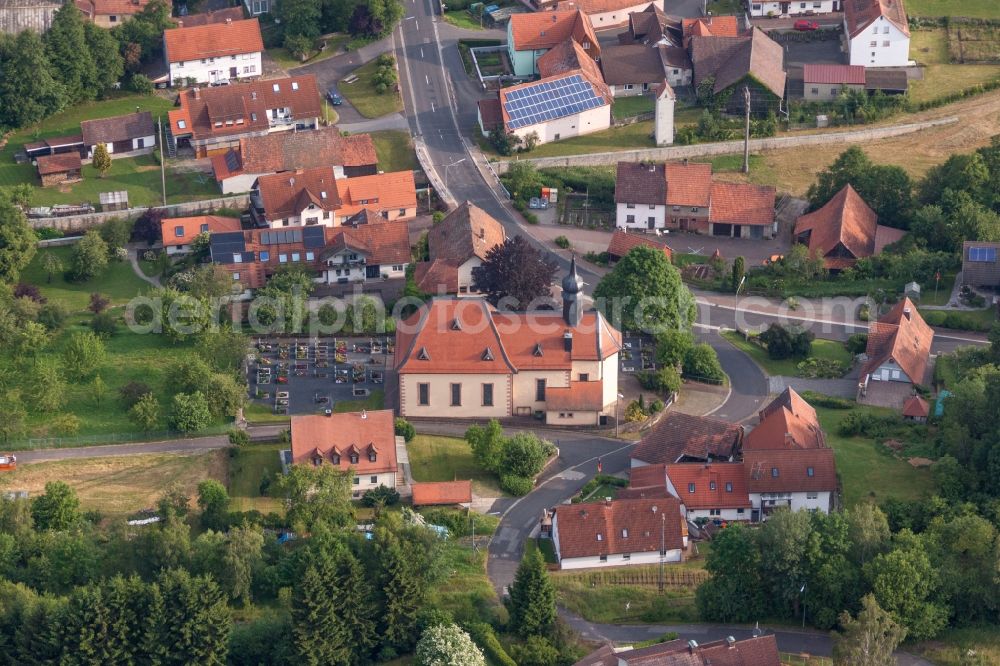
(516,270)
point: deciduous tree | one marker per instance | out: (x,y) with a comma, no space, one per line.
(90,256)
(447,645)
(29,88)
(514,274)
(316,494)
(145,413)
(58,508)
(101,160)
(734,592)
(886,189)
(644,292)
(17,242)
(69,54)
(48,388)
(868,640)
(189,412)
(83,354)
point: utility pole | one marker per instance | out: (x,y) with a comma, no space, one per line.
(163,161)
(663,546)
(746,130)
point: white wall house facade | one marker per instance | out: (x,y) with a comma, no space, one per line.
(349,265)
(890,372)
(257,7)
(614,18)
(793,8)
(577,124)
(818,500)
(364,482)
(213,70)
(640,216)
(880,44)
(620,559)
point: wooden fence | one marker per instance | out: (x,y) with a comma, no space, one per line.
(673,577)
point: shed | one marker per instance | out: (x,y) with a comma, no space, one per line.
(114,200)
(55,169)
(890,81)
(912,291)
(916,409)
(442,493)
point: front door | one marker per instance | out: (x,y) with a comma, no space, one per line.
(372,272)
(232,72)
(651,222)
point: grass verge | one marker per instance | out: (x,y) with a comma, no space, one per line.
(970,8)
(627,107)
(822,349)
(374,401)
(434,458)
(636,135)
(118,282)
(334,45)
(363,96)
(394,149)
(248,467)
(461,18)
(953,646)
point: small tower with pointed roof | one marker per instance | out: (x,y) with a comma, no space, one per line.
(572,292)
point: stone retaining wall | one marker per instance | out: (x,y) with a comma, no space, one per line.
(729,147)
(84,222)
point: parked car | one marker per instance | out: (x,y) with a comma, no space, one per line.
(804,25)
(334,97)
(220,82)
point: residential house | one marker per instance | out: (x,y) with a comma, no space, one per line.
(256,156)
(844,230)
(109,13)
(622,241)
(213,52)
(442,493)
(571,98)
(651,26)
(794,479)
(213,16)
(605,13)
(787,422)
(461,358)
(824,83)
(710,26)
(980,267)
(456,246)
(619,533)
(679,438)
(637,69)
(314,196)
(530,36)
(793,7)
(734,63)
(683,195)
(58,168)
(363,255)
(362,442)
(177,233)
(899,349)
(213,120)
(757,651)
(123,136)
(715,491)
(877,33)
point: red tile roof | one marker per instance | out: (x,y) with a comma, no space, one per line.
(859,14)
(623,241)
(577,397)
(120,8)
(284,151)
(678,436)
(618,526)
(216,16)
(641,183)
(287,194)
(715,486)
(543,30)
(190,227)
(58,163)
(241,108)
(834,74)
(361,433)
(381,192)
(597,6)
(442,492)
(901,336)
(792,470)
(213,40)
(739,203)
(760,651)
(731,59)
(916,407)
(712,26)
(532,340)
(844,221)
(466,232)
(648,476)
(689,184)
(788,422)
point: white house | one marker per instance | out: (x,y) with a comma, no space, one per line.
(792,7)
(795,479)
(606,14)
(716,491)
(456,246)
(877,33)
(363,442)
(379,251)
(898,351)
(619,533)
(123,136)
(214,52)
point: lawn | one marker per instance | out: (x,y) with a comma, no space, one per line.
(255,412)
(394,150)
(940,78)
(636,135)
(373,402)
(247,468)
(823,349)
(118,282)
(363,97)
(867,470)
(627,107)
(970,8)
(721,7)
(951,648)
(589,595)
(334,45)
(460,18)
(467,594)
(121,485)
(434,458)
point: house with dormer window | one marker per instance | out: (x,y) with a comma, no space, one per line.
(361,442)
(213,52)
(177,233)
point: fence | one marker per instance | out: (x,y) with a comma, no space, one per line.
(84,222)
(642,577)
(75,441)
(631,120)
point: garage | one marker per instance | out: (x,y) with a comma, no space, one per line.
(722,229)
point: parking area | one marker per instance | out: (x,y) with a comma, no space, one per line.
(312,375)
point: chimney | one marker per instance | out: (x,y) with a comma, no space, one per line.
(907,313)
(364,414)
(196,92)
(607,501)
(291,182)
(229,21)
(730,641)
(568,341)
(652,168)
(482,233)
(692,646)
(685,161)
(554,18)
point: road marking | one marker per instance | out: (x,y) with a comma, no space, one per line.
(427,79)
(421,52)
(432,107)
(416,26)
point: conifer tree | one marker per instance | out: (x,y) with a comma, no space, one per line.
(532,597)
(317,633)
(190,622)
(354,607)
(403,590)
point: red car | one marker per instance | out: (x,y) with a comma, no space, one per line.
(806,26)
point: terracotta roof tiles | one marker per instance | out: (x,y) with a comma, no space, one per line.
(681,436)
(847,222)
(323,437)
(689,184)
(383,192)
(901,336)
(543,30)
(916,407)
(788,422)
(216,16)
(287,194)
(834,74)
(788,470)
(466,232)
(212,40)
(859,14)
(740,203)
(58,163)
(623,241)
(577,397)
(442,492)
(182,230)
(712,26)
(619,526)
(731,59)
(712,486)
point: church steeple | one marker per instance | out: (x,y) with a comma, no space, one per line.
(572,288)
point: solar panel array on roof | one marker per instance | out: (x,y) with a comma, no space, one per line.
(548,100)
(224,246)
(313,237)
(233,160)
(281,237)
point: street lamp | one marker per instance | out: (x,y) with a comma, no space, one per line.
(802,591)
(448,166)
(618,412)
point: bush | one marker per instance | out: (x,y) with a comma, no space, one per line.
(132,393)
(866,424)
(140,83)
(486,638)
(656,406)
(383,495)
(820,400)
(634,412)
(104,324)
(30,292)
(600,480)
(239,437)
(516,485)
(562,241)
(821,368)
(405,429)
(702,363)
(857,343)
(460,522)
(53,315)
